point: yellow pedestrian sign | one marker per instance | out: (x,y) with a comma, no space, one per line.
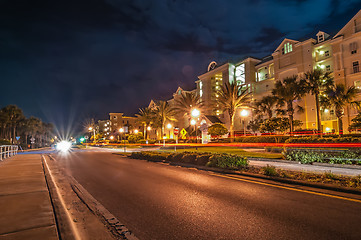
(183,132)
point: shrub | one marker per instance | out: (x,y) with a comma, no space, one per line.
(262,139)
(304,157)
(202,159)
(229,161)
(189,158)
(152,156)
(269,171)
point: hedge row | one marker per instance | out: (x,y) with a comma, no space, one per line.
(328,139)
(262,139)
(309,156)
(224,160)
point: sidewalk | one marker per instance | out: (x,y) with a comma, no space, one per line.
(295,166)
(25,207)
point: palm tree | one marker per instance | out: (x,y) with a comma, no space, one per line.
(13,115)
(145,117)
(266,106)
(338,96)
(287,91)
(187,102)
(316,81)
(232,97)
(163,112)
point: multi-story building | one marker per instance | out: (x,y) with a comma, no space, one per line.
(104,127)
(118,120)
(338,54)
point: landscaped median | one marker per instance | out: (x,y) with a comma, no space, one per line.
(239,164)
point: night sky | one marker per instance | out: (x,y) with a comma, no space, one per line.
(70,60)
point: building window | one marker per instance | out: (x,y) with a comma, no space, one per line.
(328,68)
(321,38)
(200,89)
(240,74)
(355,66)
(327,53)
(287,48)
(353,47)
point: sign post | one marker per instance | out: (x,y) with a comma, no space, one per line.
(176,132)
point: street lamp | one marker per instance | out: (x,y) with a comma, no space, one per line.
(121,130)
(244,114)
(136,131)
(193,123)
(90,129)
(148,129)
(195,113)
(169,126)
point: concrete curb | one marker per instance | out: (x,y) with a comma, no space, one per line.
(277,179)
(347,166)
(119,230)
(58,212)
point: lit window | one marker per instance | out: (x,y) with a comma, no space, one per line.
(240,74)
(287,48)
(355,66)
(200,89)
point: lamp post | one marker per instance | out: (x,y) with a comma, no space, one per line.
(148,129)
(244,114)
(195,113)
(193,123)
(121,130)
(169,126)
(90,129)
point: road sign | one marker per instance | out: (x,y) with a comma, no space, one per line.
(17,138)
(183,132)
(176,131)
(32,139)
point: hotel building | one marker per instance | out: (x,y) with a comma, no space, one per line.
(339,55)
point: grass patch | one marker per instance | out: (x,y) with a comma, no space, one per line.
(229,150)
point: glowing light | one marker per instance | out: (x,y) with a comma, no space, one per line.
(82,139)
(111,137)
(195,112)
(90,128)
(328,129)
(63,146)
(326,110)
(149,128)
(322,66)
(322,52)
(121,130)
(136,131)
(193,122)
(169,126)
(244,113)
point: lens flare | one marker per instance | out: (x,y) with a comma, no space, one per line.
(63,146)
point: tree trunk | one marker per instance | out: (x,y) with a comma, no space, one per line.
(340,127)
(231,127)
(318,115)
(290,116)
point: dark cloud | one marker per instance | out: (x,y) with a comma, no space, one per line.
(69,60)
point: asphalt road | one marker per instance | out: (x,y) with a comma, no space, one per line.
(158,201)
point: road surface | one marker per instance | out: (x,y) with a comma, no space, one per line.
(158,201)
